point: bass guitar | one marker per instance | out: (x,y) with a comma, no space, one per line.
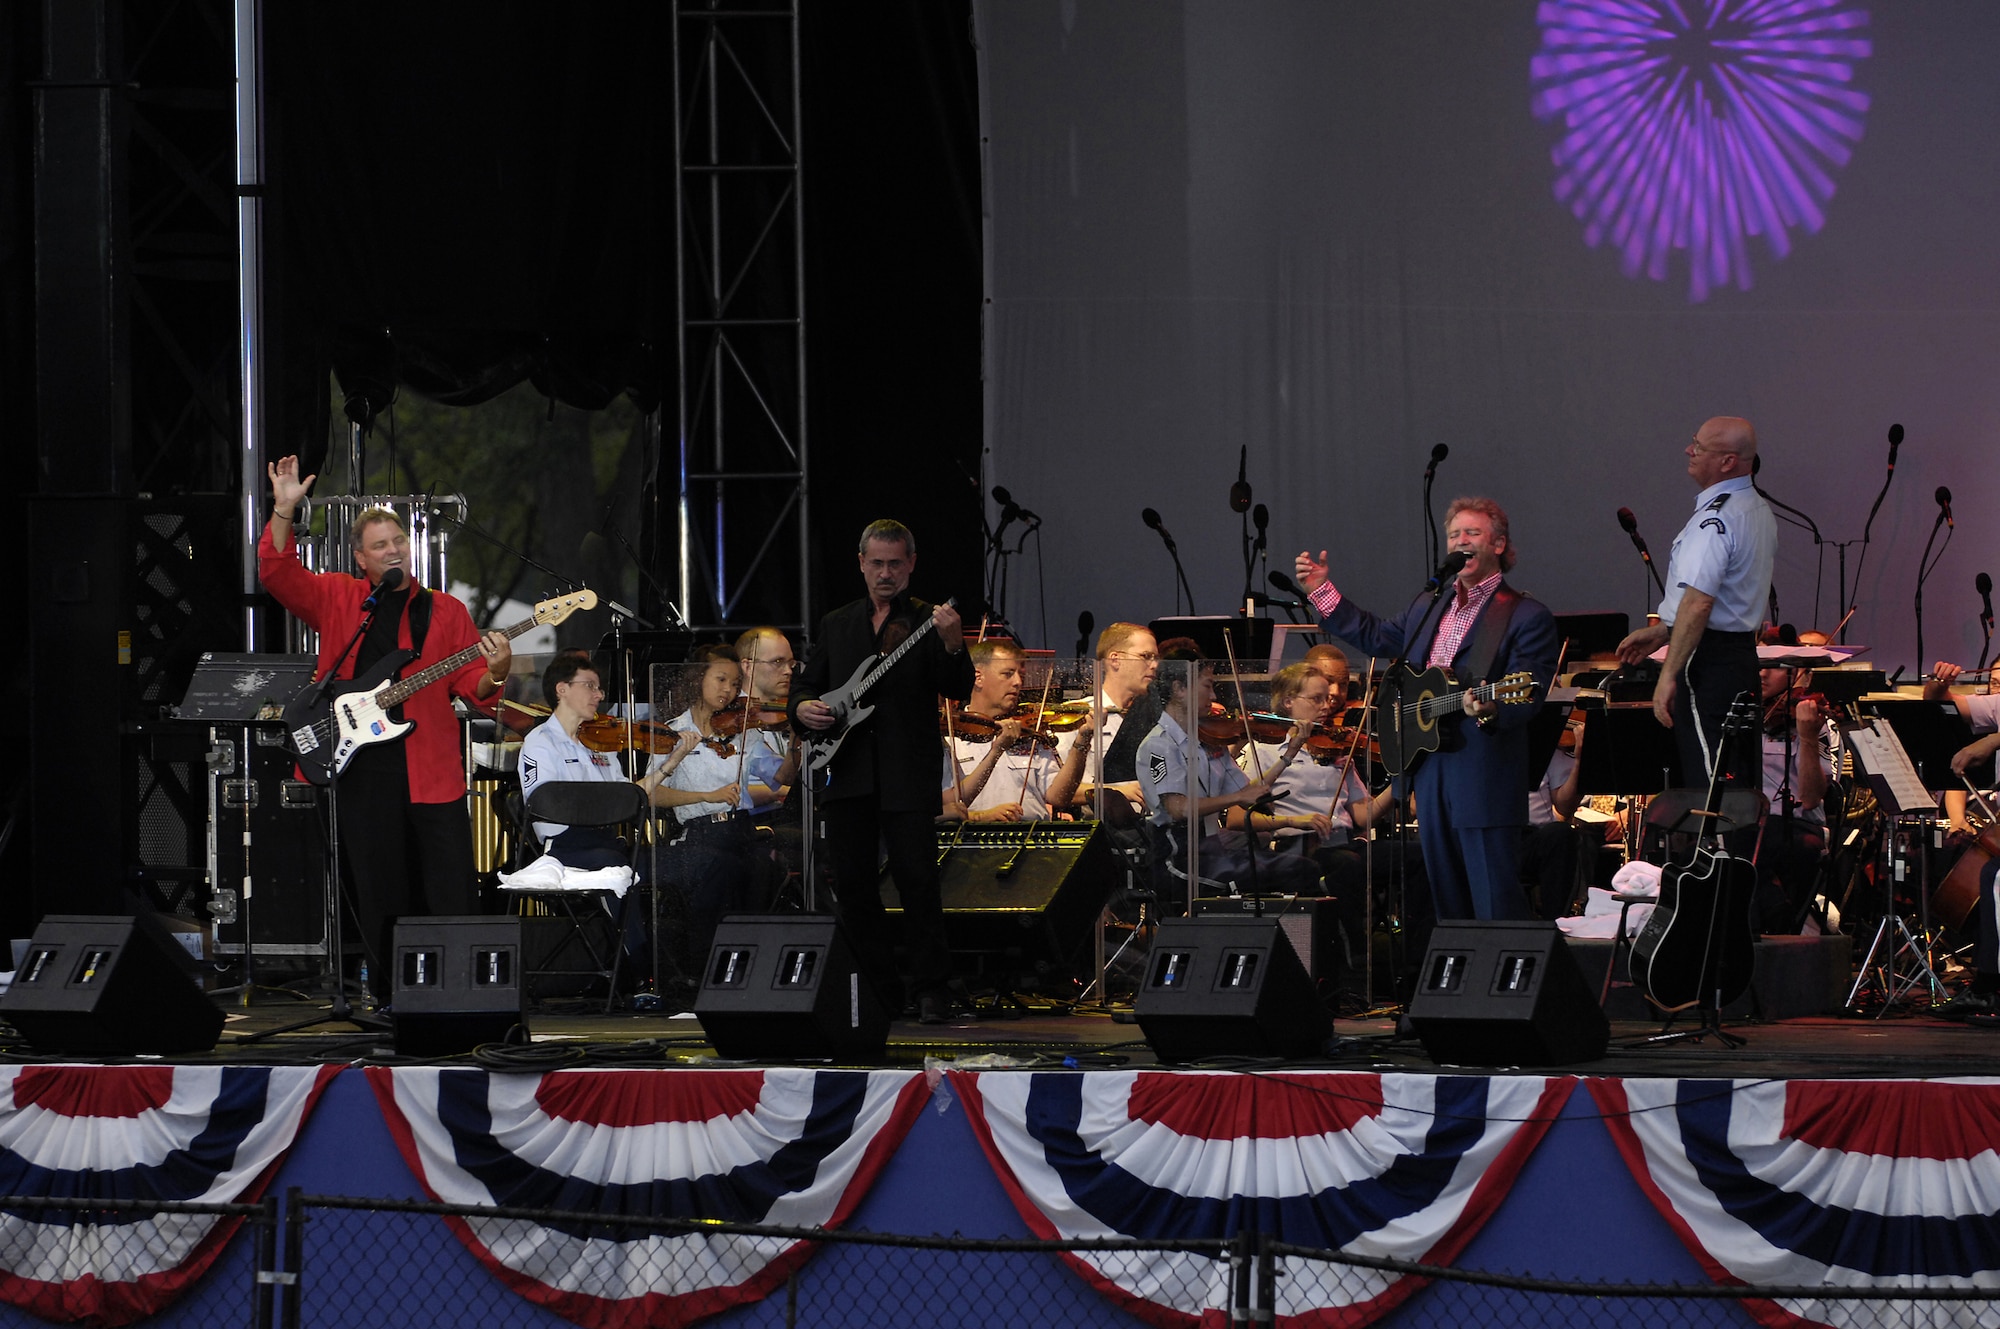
(817,746)
(1418,712)
(1696,949)
(328,725)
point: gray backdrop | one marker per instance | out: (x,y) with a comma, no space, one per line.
(1328,231)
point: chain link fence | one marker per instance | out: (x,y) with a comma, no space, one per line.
(380,1262)
(114,1262)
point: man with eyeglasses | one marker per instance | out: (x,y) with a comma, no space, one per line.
(1718,585)
(1129,659)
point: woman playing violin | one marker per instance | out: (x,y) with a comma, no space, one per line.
(1319,803)
(714,861)
(1001,767)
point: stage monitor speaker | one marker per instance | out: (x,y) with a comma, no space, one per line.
(786,986)
(1219,987)
(456,983)
(1505,993)
(109,984)
(1031,890)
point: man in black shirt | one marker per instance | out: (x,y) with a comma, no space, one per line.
(882,786)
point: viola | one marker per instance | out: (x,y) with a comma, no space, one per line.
(956,722)
(518,717)
(1052,719)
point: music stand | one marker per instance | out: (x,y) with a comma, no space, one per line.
(1626,750)
(1219,634)
(1930,732)
(1880,757)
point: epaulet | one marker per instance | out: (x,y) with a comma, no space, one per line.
(1715,504)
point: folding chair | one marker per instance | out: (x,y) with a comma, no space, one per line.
(585,803)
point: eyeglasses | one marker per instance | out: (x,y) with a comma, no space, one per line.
(1139,655)
(783,666)
(1696,445)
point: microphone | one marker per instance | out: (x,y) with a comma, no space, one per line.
(1007,504)
(1453,563)
(1084,623)
(1984,585)
(1943,497)
(1260,517)
(1284,583)
(1895,441)
(1010,511)
(1438,454)
(392,580)
(1239,493)
(1152,519)
(1631,525)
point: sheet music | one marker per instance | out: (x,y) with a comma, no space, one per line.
(1879,754)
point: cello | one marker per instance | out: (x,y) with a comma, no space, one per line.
(1696,949)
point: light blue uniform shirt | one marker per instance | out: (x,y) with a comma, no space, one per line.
(1726,550)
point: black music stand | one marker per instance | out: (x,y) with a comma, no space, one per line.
(1218,634)
(1627,751)
(1931,732)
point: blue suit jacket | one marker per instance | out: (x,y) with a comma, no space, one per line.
(1484,783)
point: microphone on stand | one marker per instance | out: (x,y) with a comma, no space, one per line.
(1631,525)
(1452,565)
(1010,511)
(1895,441)
(392,580)
(1084,623)
(1284,583)
(1943,497)
(1239,493)
(1984,585)
(1438,454)
(1152,519)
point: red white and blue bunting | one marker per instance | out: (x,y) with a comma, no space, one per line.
(207,1134)
(1799,1183)
(789,1148)
(1398,1166)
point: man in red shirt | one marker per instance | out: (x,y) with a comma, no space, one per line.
(404,833)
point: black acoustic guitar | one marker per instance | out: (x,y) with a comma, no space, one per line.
(1418,712)
(328,726)
(1697,948)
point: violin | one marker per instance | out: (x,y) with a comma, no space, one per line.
(956,722)
(610,733)
(739,715)
(518,717)
(1052,719)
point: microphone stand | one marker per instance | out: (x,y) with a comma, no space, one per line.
(1925,566)
(1179,572)
(339,1012)
(1986,648)
(1392,713)
(1866,529)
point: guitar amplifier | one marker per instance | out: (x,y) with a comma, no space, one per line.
(1311,924)
(1026,889)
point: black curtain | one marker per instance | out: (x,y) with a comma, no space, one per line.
(468,195)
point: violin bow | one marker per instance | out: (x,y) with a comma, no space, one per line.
(1242,707)
(1354,743)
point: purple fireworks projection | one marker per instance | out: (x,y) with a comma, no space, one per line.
(1695,124)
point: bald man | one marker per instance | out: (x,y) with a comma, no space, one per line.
(1718,584)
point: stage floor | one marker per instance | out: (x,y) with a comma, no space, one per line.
(1896,1046)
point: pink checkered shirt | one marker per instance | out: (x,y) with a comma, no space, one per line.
(1452,628)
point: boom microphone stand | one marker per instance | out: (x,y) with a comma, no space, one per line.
(340,1012)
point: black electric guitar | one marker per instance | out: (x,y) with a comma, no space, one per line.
(1418,712)
(1697,948)
(817,746)
(327,726)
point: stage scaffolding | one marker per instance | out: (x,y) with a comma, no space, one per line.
(739,245)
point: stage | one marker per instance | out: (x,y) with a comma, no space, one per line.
(978,1128)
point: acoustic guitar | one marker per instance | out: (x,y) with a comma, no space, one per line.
(1697,948)
(1419,712)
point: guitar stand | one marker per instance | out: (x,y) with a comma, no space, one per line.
(1894,943)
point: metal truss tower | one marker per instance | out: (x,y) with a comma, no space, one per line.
(739,244)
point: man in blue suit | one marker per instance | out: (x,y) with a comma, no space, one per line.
(1471,802)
